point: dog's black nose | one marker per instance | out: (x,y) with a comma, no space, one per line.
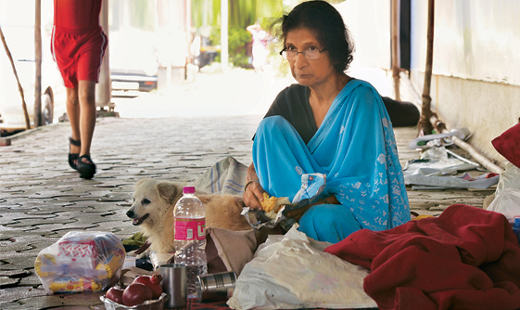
(130,214)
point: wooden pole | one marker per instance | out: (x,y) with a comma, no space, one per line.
(477,156)
(37,64)
(224,35)
(426,113)
(395,48)
(20,89)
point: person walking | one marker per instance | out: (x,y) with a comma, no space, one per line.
(78,46)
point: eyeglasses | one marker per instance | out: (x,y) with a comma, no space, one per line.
(311,53)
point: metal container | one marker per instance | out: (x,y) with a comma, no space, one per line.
(215,287)
(174,283)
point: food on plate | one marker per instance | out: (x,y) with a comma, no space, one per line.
(153,282)
(136,294)
(115,294)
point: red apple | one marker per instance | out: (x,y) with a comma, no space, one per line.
(156,279)
(136,294)
(153,282)
(115,294)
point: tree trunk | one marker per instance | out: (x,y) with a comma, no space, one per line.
(224,35)
(395,48)
(20,89)
(425,124)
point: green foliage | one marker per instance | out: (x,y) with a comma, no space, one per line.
(205,12)
(238,37)
(237,41)
(142,12)
(242,13)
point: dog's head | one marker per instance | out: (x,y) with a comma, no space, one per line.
(152,199)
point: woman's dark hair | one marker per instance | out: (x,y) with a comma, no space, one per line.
(328,26)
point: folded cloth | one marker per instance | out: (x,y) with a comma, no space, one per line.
(467,258)
(227,176)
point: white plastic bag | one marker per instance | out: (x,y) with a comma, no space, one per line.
(292,271)
(510,178)
(507,194)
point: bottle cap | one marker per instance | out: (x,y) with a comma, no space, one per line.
(188,190)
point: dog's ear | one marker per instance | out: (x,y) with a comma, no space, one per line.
(167,191)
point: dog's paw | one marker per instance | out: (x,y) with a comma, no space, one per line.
(143,254)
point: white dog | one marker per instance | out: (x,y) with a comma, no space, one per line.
(152,211)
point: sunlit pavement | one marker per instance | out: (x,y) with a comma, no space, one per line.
(236,92)
(172,134)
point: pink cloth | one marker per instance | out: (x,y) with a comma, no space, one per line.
(467,258)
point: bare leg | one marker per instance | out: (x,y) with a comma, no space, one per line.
(73,110)
(87,119)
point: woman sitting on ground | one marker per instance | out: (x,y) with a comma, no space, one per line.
(332,124)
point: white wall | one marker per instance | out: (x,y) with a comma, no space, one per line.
(474,39)
(369,24)
(476,62)
(476,68)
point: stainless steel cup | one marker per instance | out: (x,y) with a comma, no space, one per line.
(174,284)
(217,286)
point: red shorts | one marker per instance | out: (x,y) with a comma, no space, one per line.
(78,54)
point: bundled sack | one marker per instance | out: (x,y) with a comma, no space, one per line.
(228,250)
(507,194)
(508,144)
(292,272)
(81,261)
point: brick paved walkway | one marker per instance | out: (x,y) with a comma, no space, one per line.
(41,198)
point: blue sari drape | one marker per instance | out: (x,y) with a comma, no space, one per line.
(354,147)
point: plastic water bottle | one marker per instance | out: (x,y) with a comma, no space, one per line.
(190,237)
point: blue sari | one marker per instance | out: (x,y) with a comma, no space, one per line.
(355,148)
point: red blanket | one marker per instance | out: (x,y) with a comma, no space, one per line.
(467,258)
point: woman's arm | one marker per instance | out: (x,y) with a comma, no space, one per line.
(253,191)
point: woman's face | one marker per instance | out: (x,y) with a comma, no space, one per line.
(308,72)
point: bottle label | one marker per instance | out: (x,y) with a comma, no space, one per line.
(189,229)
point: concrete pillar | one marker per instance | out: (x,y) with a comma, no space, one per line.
(104,87)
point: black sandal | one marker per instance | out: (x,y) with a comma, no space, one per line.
(73,157)
(86,170)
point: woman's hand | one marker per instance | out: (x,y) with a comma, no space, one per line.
(253,192)
(254,195)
